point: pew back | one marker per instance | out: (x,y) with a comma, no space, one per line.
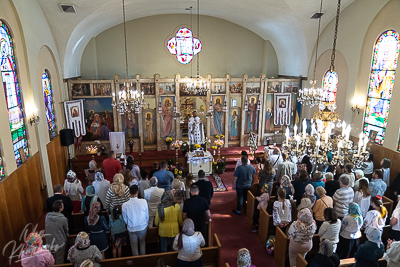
(388,204)
(300,261)
(211,257)
(281,247)
(265,226)
(251,206)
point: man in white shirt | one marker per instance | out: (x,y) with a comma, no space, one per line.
(285,168)
(239,162)
(153,197)
(136,217)
(275,158)
(343,197)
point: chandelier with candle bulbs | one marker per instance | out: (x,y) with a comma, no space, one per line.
(322,145)
(129,99)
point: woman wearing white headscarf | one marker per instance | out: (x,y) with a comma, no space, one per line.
(372,250)
(392,255)
(73,186)
(325,256)
(101,186)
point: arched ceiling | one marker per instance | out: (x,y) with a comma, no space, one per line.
(285,23)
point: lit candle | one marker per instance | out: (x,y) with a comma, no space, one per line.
(365,143)
(318,144)
(295,130)
(343,128)
(304,128)
(327,133)
(340,145)
(360,143)
(297,142)
(287,136)
(348,130)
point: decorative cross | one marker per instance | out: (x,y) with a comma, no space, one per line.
(184,45)
(117,146)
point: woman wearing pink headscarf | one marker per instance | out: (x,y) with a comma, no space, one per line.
(97,226)
(34,255)
(301,233)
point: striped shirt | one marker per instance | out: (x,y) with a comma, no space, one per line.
(342,198)
(113,200)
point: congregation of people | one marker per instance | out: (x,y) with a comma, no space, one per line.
(339,203)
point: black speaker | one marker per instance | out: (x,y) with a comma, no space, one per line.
(67,137)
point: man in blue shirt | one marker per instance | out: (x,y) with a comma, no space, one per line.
(377,186)
(164,177)
(242,181)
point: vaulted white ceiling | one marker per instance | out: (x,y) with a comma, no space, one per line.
(285,23)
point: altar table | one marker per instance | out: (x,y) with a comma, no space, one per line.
(200,163)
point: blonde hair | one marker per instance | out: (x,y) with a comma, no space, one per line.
(176,184)
(320,190)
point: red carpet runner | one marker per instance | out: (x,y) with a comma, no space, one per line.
(234,231)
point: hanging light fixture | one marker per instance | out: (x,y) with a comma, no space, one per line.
(198,85)
(313,96)
(129,99)
(321,144)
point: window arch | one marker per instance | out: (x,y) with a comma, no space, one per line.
(381,82)
(49,105)
(8,68)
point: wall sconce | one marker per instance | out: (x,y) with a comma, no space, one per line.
(356,109)
(34,117)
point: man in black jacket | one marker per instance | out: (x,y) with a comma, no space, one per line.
(68,207)
(206,189)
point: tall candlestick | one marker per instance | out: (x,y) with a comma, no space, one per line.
(287,136)
(295,130)
(304,128)
(343,128)
(365,143)
(340,144)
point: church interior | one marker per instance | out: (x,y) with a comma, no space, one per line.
(82,78)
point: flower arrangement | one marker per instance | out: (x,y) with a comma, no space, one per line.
(169,140)
(219,141)
(175,169)
(92,149)
(177,144)
(219,164)
(131,142)
(214,147)
(197,146)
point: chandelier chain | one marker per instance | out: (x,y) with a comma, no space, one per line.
(126,50)
(198,37)
(316,47)
(335,37)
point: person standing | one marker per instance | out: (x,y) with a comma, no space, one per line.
(331,185)
(73,186)
(385,163)
(153,197)
(348,168)
(377,186)
(34,255)
(197,209)
(359,177)
(111,166)
(284,168)
(205,187)
(368,167)
(143,183)
(239,162)
(275,158)
(164,177)
(117,194)
(195,129)
(242,181)
(372,250)
(343,197)
(135,170)
(68,207)
(136,217)
(56,226)
(97,226)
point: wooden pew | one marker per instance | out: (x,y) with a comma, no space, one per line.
(251,207)
(265,226)
(211,257)
(281,247)
(300,261)
(388,204)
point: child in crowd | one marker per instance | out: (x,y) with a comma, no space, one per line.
(262,203)
(117,228)
(377,216)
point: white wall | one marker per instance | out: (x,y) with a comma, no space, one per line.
(227,48)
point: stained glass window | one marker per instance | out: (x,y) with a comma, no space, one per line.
(8,68)
(329,85)
(184,45)
(381,82)
(48,102)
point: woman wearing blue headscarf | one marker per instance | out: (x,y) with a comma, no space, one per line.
(350,232)
(89,199)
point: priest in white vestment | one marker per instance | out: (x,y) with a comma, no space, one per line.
(195,129)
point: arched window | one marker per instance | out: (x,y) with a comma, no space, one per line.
(8,68)
(48,103)
(381,82)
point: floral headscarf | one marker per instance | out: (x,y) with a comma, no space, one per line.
(305,216)
(99,176)
(187,229)
(71,176)
(374,235)
(118,187)
(285,181)
(167,200)
(82,241)
(305,203)
(326,248)
(309,190)
(33,243)
(243,258)
(355,211)
(93,217)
